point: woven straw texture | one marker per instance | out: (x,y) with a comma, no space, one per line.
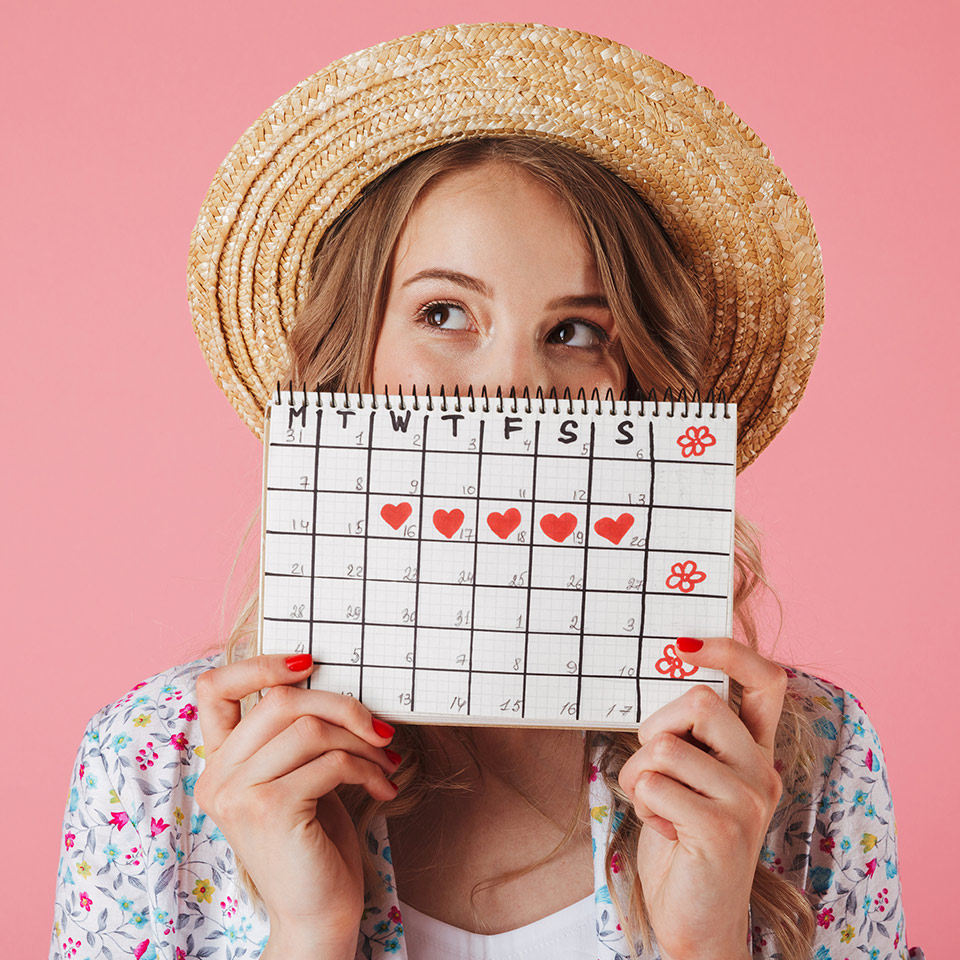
(706,175)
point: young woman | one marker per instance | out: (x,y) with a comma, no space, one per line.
(493,246)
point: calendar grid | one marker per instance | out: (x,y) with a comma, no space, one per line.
(416,595)
(313,528)
(476,615)
(526,617)
(586,554)
(473,591)
(646,563)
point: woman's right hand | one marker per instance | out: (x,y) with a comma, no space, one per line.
(268,784)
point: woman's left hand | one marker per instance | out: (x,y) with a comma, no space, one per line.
(705,814)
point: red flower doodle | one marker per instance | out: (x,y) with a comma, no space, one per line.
(695,441)
(685,576)
(448,523)
(670,663)
(395,513)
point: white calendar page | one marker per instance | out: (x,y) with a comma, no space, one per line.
(479,563)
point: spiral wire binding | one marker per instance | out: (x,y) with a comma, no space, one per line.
(513,402)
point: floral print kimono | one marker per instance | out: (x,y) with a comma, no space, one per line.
(145,873)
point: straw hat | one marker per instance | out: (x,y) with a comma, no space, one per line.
(707,176)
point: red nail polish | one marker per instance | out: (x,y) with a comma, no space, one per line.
(382,729)
(393,756)
(688,644)
(299,662)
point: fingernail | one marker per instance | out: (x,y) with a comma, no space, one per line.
(396,789)
(688,644)
(299,662)
(393,756)
(382,729)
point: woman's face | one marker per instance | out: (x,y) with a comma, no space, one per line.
(493,285)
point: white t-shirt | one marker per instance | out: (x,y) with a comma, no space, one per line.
(568,934)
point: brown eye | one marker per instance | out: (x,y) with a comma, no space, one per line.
(577,333)
(438,314)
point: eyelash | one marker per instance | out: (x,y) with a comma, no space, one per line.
(421,317)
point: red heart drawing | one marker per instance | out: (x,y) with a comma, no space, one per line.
(503,524)
(448,523)
(613,530)
(558,528)
(395,513)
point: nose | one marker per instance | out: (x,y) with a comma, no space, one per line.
(507,363)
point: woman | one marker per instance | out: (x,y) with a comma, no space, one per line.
(306,827)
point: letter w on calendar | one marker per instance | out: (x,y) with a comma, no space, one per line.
(498,562)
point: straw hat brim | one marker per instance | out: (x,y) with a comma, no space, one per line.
(710,180)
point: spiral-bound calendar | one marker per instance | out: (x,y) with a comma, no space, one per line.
(498,560)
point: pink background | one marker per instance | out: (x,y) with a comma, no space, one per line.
(134,478)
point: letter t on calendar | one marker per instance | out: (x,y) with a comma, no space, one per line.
(498,561)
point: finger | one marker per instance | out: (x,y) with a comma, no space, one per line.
(302,741)
(664,827)
(685,810)
(764,682)
(220,690)
(282,706)
(674,757)
(318,777)
(701,712)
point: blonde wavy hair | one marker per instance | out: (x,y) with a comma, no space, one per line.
(665,333)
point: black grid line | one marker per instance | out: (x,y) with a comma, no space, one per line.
(533,531)
(513,673)
(366,543)
(543,456)
(416,594)
(476,547)
(646,558)
(540,546)
(538,633)
(313,529)
(466,496)
(507,586)
(586,554)
(493,673)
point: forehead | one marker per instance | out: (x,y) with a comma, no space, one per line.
(495,212)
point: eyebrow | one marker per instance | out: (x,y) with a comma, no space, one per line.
(478,286)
